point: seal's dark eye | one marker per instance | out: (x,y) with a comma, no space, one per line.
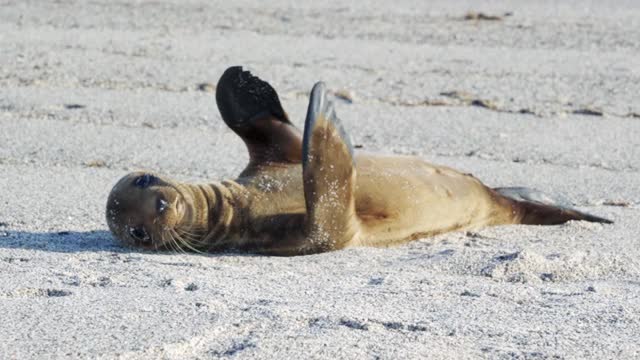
(145,180)
(139,234)
(162,205)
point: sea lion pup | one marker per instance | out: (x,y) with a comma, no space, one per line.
(309,194)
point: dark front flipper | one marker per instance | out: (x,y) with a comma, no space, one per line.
(329,175)
(251,108)
(534,207)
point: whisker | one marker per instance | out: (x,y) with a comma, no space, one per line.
(189,236)
(170,242)
(193,237)
(186,242)
(178,242)
(193,243)
(198,233)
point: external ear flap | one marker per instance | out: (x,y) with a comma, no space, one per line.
(251,108)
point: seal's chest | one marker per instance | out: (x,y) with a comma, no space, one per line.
(277,192)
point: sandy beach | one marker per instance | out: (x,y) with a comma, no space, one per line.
(542,94)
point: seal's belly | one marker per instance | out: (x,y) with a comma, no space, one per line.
(398,198)
(403,198)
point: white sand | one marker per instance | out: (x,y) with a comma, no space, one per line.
(570,291)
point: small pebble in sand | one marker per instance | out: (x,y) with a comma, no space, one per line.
(345,95)
(469,293)
(482,16)
(487,104)
(589,111)
(460,95)
(74,106)
(191,287)
(620,203)
(206,87)
(95,163)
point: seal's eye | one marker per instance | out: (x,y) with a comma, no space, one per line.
(162,205)
(139,234)
(145,180)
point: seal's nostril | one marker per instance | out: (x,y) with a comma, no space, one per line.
(162,205)
(140,235)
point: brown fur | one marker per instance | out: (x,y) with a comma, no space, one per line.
(301,196)
(397,199)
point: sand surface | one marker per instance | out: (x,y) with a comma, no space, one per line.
(548,97)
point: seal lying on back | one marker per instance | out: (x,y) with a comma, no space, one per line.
(309,193)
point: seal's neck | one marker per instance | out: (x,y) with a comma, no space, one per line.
(211,213)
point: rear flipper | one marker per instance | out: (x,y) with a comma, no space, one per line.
(534,207)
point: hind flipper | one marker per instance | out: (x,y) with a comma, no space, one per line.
(329,175)
(252,109)
(537,208)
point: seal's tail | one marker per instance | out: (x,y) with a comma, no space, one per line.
(537,208)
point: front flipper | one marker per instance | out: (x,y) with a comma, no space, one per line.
(329,176)
(251,108)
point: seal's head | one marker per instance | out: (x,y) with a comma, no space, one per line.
(144,210)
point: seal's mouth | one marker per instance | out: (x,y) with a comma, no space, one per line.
(139,236)
(160,238)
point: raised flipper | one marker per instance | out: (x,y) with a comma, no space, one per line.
(534,207)
(251,108)
(329,176)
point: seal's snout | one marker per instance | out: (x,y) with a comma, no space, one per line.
(140,235)
(145,243)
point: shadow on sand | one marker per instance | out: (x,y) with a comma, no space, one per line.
(84,241)
(62,241)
